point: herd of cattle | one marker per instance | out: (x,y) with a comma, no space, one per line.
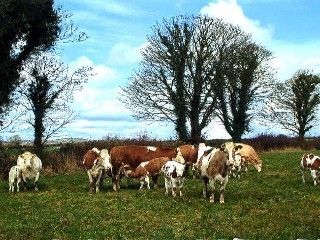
(213,165)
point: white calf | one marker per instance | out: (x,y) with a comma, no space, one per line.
(174,176)
(14,178)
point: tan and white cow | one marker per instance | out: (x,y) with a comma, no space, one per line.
(247,153)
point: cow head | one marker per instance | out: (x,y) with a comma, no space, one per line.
(179,158)
(27,159)
(203,150)
(125,169)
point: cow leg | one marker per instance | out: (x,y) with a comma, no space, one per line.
(36,181)
(98,181)
(303,179)
(10,186)
(166,185)
(114,182)
(24,185)
(173,187)
(180,187)
(18,184)
(314,176)
(155,180)
(205,187)
(118,182)
(91,182)
(24,182)
(147,180)
(193,171)
(223,188)
(212,185)
(142,181)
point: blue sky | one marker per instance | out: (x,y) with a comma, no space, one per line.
(118,29)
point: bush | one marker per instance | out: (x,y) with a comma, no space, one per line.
(68,156)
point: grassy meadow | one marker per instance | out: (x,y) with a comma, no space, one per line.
(273,204)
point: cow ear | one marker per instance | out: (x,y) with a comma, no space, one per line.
(222,147)
(237,147)
(174,173)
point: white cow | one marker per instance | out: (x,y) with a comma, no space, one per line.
(30,166)
(174,176)
(14,178)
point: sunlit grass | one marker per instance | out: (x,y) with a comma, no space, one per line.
(273,204)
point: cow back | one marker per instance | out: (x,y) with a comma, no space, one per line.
(189,153)
(133,155)
(218,164)
(154,165)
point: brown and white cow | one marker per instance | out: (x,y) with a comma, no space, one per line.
(312,163)
(145,170)
(213,167)
(97,164)
(133,155)
(191,154)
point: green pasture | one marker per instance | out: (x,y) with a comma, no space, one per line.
(273,204)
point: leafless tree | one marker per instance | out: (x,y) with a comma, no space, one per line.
(295,102)
(244,83)
(187,69)
(47,92)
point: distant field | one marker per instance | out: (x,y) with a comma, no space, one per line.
(273,204)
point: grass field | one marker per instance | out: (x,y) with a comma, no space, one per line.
(273,204)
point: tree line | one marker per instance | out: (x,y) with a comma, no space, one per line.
(193,69)
(196,68)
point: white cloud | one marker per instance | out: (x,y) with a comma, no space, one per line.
(231,11)
(101,73)
(288,57)
(125,54)
(110,6)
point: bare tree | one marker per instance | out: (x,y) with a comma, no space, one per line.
(295,103)
(244,83)
(47,92)
(183,75)
(157,89)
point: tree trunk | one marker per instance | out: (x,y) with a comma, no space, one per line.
(181,127)
(38,131)
(195,134)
